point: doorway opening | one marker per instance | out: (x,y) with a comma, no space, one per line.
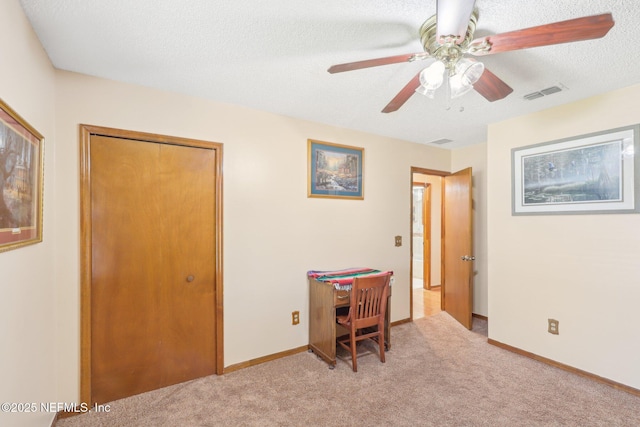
(426,243)
(453,255)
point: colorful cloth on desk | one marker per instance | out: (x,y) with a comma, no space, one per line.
(343,279)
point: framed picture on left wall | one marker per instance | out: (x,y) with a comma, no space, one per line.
(21,181)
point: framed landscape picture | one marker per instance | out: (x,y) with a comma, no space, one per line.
(593,173)
(21,182)
(334,170)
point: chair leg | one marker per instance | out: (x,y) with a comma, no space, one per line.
(381,342)
(354,359)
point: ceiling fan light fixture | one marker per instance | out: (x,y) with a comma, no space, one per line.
(431,78)
(466,73)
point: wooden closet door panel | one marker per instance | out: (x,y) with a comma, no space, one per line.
(187,299)
(125,274)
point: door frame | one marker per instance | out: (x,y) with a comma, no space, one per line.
(423,171)
(86,132)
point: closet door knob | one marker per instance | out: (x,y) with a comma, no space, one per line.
(190,278)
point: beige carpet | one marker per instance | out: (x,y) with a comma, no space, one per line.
(437,374)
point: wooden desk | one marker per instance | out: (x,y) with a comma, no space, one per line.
(324,299)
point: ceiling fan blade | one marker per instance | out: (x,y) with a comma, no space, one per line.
(350,66)
(403,96)
(452,19)
(586,28)
(491,86)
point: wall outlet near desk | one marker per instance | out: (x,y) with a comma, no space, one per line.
(554,326)
(295,317)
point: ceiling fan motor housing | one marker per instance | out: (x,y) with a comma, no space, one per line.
(449,51)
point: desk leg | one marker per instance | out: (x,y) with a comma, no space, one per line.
(387,325)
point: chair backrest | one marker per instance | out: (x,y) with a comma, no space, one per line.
(369,300)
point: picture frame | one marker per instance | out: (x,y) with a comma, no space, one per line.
(21,181)
(334,170)
(595,173)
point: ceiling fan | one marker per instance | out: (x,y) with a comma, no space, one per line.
(447,37)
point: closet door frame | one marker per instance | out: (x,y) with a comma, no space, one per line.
(86,132)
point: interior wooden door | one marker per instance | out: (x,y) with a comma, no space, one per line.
(457,289)
(153,296)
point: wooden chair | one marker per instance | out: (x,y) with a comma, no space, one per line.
(365,319)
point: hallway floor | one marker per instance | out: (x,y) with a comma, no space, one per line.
(426,302)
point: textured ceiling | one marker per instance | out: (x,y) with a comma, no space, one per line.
(273,56)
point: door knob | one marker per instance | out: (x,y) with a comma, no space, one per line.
(190,278)
(467,258)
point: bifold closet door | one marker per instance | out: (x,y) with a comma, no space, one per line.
(152,258)
(187,297)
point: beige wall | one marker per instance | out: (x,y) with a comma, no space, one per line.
(475,157)
(27,302)
(273,233)
(582,270)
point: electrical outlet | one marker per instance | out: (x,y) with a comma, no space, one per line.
(398,240)
(295,317)
(554,327)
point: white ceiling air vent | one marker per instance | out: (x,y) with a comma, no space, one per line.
(551,90)
(533,95)
(441,141)
(548,91)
